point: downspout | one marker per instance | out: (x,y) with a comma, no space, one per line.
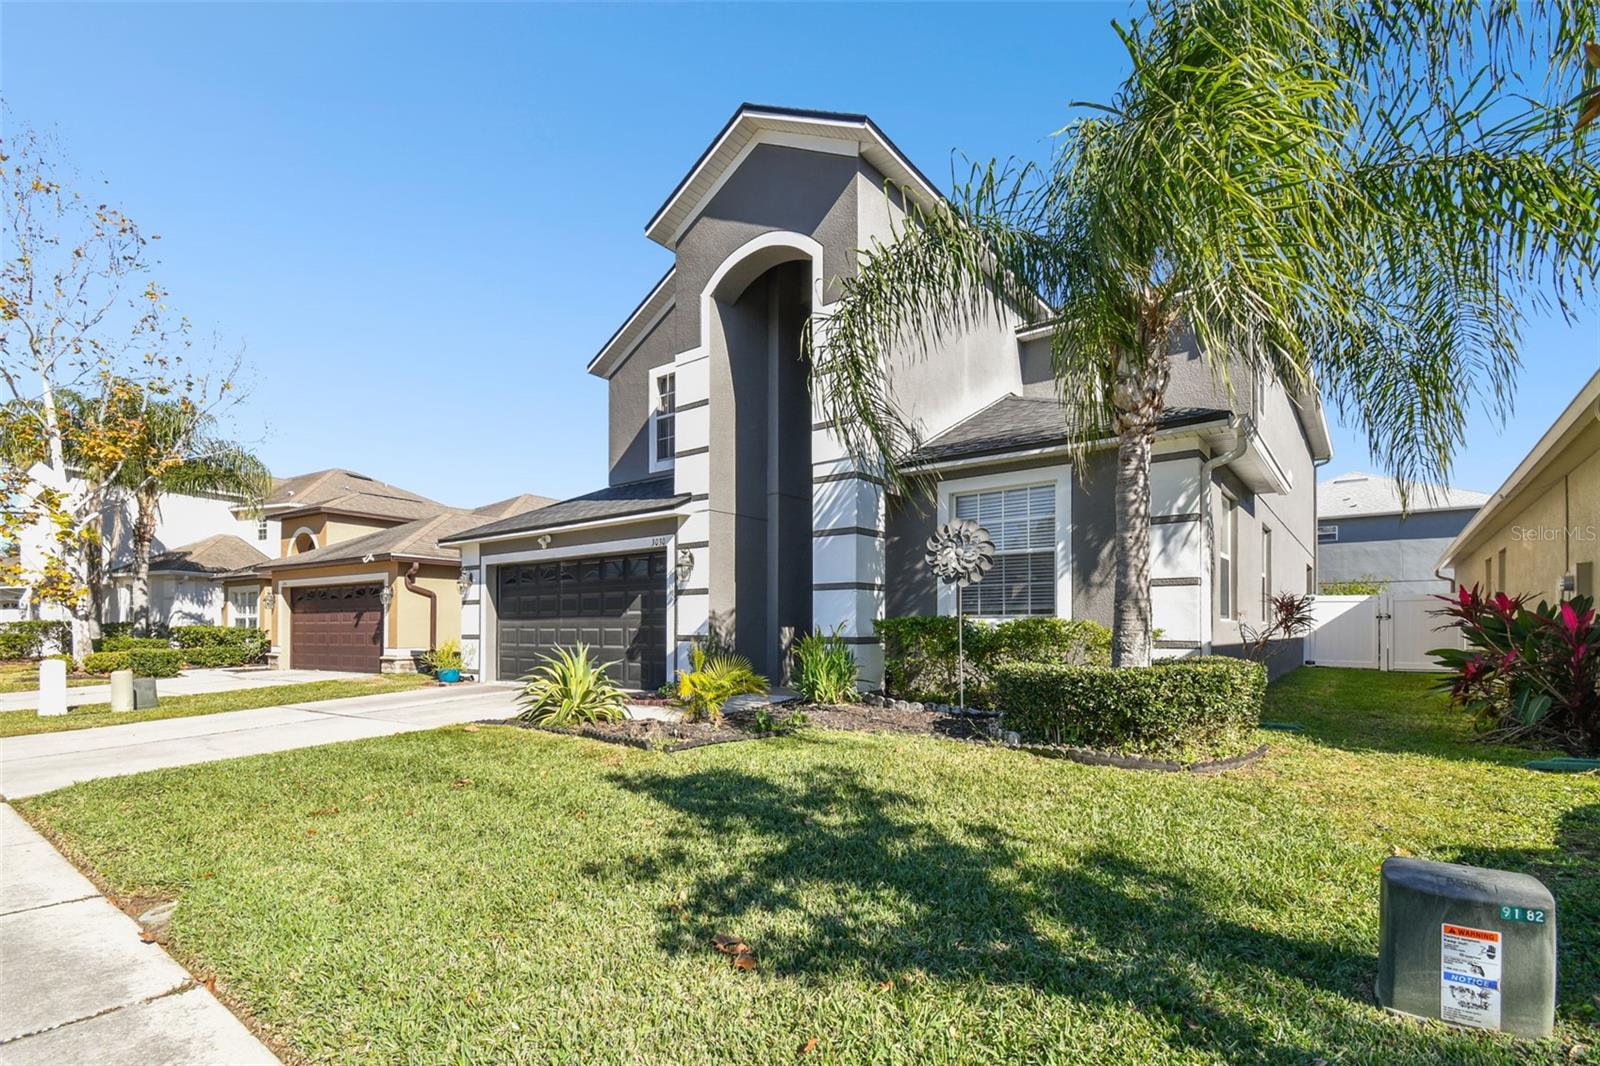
(433,605)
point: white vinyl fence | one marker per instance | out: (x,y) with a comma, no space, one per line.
(1389,631)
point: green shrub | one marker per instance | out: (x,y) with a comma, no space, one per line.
(144,662)
(825,669)
(28,639)
(127,642)
(919,652)
(213,636)
(571,688)
(211,657)
(713,680)
(1177,708)
(1366,585)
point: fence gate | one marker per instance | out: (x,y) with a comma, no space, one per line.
(1389,631)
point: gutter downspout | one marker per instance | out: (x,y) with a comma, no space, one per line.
(433,605)
(1242,426)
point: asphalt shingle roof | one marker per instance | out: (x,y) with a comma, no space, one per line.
(217,554)
(1355,494)
(1015,423)
(614,501)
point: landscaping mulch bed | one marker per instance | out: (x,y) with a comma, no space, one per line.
(652,735)
(896,719)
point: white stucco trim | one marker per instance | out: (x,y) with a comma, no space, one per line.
(798,242)
(308,531)
(579,551)
(337,579)
(1059,476)
(593,523)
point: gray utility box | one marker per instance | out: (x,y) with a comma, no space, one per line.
(144,693)
(1467,946)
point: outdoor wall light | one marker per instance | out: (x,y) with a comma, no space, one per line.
(386,596)
(266,599)
(464,583)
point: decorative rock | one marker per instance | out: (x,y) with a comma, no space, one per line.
(1011,739)
(52,687)
(122,690)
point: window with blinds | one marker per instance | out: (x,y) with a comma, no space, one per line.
(1023,524)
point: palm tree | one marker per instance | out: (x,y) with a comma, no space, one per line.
(176,451)
(1360,198)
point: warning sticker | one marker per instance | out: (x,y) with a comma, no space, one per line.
(1469,976)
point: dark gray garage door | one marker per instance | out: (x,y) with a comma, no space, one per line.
(616,604)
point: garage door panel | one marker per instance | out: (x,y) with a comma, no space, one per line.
(336,627)
(616,604)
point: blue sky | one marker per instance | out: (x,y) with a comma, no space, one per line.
(407,208)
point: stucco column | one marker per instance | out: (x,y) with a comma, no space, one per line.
(847,553)
(689,606)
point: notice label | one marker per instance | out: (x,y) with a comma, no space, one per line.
(1469,976)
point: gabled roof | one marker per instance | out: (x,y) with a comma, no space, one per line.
(346,492)
(418,539)
(616,501)
(656,303)
(1357,494)
(749,123)
(1022,423)
(216,554)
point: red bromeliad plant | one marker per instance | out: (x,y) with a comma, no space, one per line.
(1531,673)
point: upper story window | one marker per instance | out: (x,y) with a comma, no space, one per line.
(1327,534)
(663,418)
(1022,522)
(261,529)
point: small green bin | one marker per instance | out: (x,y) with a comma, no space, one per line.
(1467,946)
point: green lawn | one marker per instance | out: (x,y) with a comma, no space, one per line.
(501,895)
(23,723)
(24,677)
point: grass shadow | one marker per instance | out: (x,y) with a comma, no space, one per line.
(868,885)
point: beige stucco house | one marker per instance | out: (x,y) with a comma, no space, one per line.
(1539,533)
(360,581)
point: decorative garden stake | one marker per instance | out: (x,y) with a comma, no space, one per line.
(959,554)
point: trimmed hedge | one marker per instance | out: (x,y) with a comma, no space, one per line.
(1179,707)
(166,662)
(919,652)
(28,639)
(128,642)
(213,636)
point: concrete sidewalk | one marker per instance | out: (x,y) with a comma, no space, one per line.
(188,683)
(33,764)
(80,986)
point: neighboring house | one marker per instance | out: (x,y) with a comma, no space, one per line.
(182,522)
(360,582)
(731,512)
(186,583)
(1539,533)
(1363,532)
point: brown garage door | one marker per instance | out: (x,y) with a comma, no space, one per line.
(339,627)
(616,604)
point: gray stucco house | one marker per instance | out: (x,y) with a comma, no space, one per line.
(1364,532)
(731,509)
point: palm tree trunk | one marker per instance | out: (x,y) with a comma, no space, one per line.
(1130,631)
(144,532)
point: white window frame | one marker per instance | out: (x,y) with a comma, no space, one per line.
(1059,476)
(1327,534)
(668,370)
(1227,543)
(233,608)
(262,532)
(1266,573)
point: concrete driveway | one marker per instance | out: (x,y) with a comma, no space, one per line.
(187,683)
(33,764)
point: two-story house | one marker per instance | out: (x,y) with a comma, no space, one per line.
(732,510)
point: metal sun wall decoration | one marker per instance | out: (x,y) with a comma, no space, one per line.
(960,553)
